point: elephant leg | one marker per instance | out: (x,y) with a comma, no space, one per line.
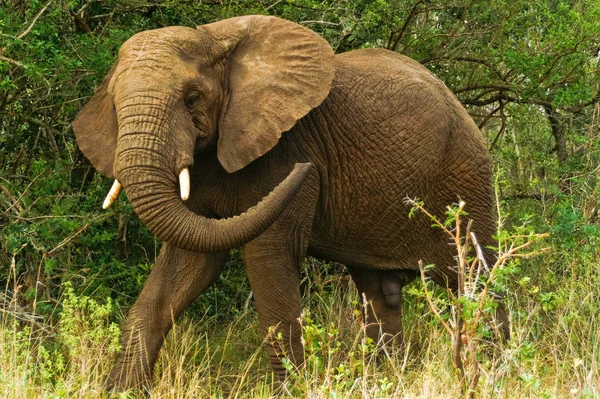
(273,262)
(381,292)
(275,281)
(177,278)
(502,318)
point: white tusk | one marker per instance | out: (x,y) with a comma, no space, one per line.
(184,183)
(113,194)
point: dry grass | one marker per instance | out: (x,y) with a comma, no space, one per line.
(552,354)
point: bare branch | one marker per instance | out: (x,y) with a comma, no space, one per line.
(503,127)
(481,87)
(502,96)
(67,240)
(16,202)
(488,117)
(22,35)
(12,199)
(430,302)
(11,61)
(401,31)
(319,23)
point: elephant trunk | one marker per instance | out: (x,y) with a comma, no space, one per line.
(151,186)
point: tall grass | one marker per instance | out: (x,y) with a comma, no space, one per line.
(553,352)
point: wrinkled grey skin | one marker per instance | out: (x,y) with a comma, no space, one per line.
(382,130)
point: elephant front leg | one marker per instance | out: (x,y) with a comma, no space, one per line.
(273,263)
(275,282)
(177,278)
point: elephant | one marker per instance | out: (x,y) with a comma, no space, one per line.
(249,132)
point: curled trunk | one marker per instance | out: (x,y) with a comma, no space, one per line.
(152,190)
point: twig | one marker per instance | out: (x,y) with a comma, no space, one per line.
(480,260)
(431,305)
(21,196)
(273,5)
(12,199)
(502,127)
(434,219)
(22,35)
(11,61)
(319,22)
(402,30)
(488,117)
(48,217)
(67,240)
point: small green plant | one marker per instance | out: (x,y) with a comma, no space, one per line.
(85,323)
(65,359)
(472,302)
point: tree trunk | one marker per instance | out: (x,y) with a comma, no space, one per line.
(560,137)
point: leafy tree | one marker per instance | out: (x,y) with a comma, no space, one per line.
(528,72)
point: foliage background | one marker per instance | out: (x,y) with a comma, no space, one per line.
(527,71)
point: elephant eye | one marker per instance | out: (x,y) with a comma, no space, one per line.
(192,99)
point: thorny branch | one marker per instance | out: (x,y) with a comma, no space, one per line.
(463,329)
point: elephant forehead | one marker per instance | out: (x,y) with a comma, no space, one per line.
(173,37)
(154,64)
(164,46)
(138,75)
(154,54)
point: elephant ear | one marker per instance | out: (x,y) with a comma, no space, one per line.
(277,72)
(96,129)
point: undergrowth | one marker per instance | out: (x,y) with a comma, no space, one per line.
(553,352)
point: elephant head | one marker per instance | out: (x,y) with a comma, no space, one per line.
(175,92)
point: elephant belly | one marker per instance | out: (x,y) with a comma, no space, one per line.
(385,238)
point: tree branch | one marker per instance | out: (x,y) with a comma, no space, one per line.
(401,31)
(558,133)
(489,115)
(483,87)
(22,35)
(478,103)
(11,61)
(503,127)
(25,33)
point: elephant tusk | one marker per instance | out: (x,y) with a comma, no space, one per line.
(113,194)
(184,183)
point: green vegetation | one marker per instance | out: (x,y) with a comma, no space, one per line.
(527,71)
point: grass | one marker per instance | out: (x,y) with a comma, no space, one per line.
(553,352)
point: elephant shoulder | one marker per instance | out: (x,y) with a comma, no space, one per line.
(385,77)
(378,65)
(368,57)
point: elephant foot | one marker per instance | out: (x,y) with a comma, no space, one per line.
(281,372)
(282,387)
(123,378)
(389,346)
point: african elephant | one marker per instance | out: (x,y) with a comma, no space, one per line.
(250,132)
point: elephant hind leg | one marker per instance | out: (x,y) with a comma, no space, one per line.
(381,292)
(502,319)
